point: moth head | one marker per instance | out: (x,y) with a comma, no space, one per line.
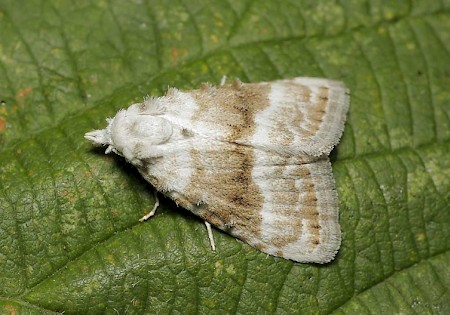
(131,133)
(102,137)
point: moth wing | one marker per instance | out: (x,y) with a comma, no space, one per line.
(283,206)
(300,214)
(294,116)
(304,116)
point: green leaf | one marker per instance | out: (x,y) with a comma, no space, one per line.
(70,239)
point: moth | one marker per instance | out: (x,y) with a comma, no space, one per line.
(248,158)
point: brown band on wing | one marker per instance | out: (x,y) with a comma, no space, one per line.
(223,178)
(224,171)
(232,107)
(281,131)
(316,113)
(305,199)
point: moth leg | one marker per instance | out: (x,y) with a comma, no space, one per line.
(210,236)
(222,81)
(151,213)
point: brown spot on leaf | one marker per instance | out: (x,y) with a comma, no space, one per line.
(24,92)
(174,54)
(11,310)
(2,124)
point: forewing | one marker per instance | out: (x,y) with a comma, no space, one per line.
(295,116)
(304,116)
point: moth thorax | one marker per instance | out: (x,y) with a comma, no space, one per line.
(128,128)
(151,129)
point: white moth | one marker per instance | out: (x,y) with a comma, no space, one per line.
(251,159)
